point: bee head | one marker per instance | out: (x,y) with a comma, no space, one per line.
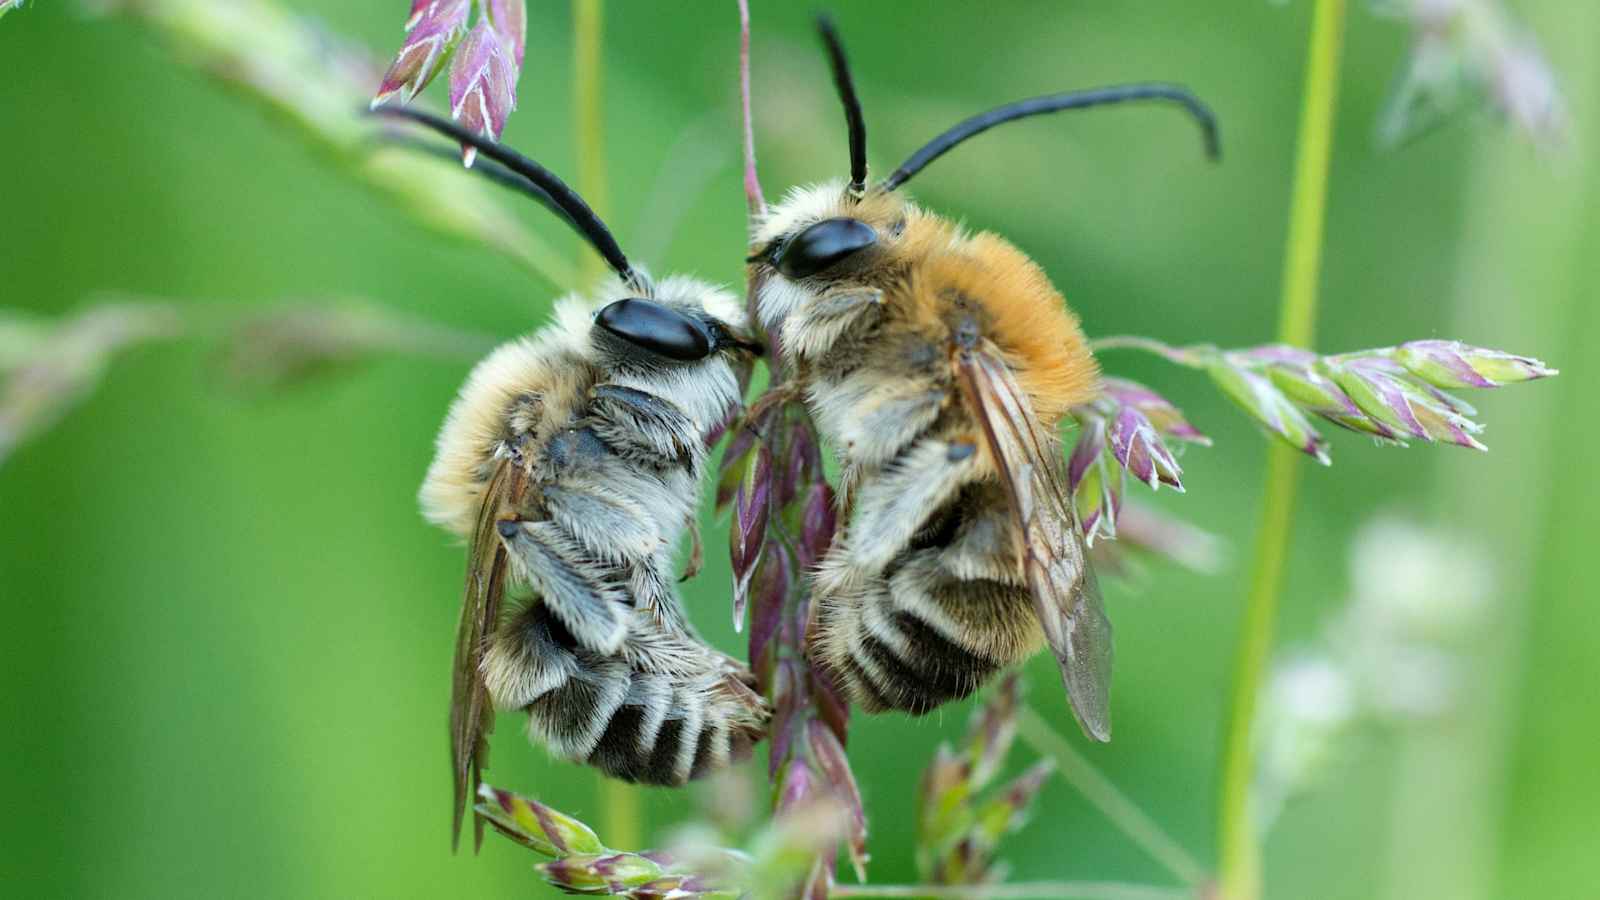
(847,234)
(682,321)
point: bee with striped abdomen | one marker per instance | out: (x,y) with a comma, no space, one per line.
(571,462)
(940,365)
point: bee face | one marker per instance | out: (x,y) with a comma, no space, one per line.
(821,241)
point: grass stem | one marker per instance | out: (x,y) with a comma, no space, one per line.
(1022,890)
(1106,797)
(588,24)
(1239,851)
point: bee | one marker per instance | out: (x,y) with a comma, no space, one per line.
(571,462)
(940,365)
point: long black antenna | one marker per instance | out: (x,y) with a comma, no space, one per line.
(578,214)
(1038,106)
(852,105)
(485,168)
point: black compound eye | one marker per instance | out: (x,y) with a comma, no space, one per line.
(823,246)
(660,329)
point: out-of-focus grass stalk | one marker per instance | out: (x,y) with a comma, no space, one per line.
(619,799)
(1239,849)
(1099,790)
(320,84)
(588,125)
(1455,829)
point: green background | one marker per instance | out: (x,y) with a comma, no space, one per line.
(225,630)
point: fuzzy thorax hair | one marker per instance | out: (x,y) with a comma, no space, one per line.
(553,369)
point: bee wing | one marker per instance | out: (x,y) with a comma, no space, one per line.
(471,712)
(1066,594)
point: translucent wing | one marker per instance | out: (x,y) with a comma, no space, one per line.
(471,712)
(1066,595)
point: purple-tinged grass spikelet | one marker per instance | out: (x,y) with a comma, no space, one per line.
(691,868)
(1096,481)
(774,579)
(957,829)
(1254,393)
(1452,364)
(818,523)
(735,460)
(1392,394)
(483,85)
(835,767)
(747,537)
(1167,419)
(1299,375)
(1387,393)
(535,825)
(1138,447)
(510,21)
(1466,54)
(8,5)
(1124,430)
(432,33)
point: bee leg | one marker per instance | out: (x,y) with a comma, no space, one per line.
(629,419)
(577,591)
(608,524)
(530,656)
(891,509)
(821,320)
(697,552)
(874,420)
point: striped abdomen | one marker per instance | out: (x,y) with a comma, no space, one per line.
(664,710)
(942,617)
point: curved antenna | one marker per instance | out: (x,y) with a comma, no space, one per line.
(485,168)
(852,105)
(1038,106)
(578,214)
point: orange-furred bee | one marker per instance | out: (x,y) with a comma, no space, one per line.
(571,462)
(939,365)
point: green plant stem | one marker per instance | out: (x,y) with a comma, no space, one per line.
(1106,797)
(1042,890)
(1193,357)
(619,799)
(1239,851)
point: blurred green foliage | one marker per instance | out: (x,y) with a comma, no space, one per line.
(227,630)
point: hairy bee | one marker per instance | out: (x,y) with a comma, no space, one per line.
(940,365)
(571,461)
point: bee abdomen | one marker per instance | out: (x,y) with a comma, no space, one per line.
(902,662)
(702,733)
